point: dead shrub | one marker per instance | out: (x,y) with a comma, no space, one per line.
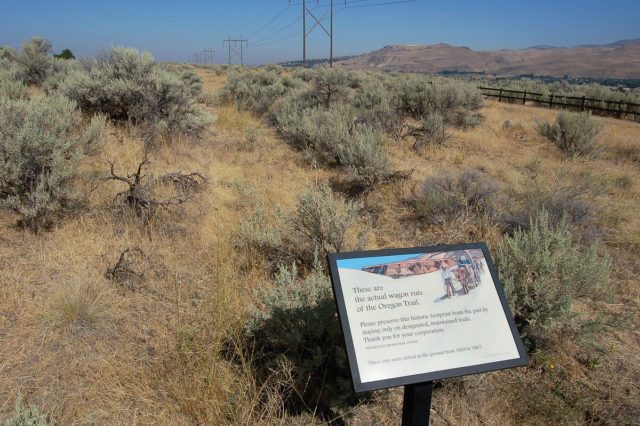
(127,272)
(140,196)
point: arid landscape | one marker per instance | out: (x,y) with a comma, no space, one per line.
(164,232)
(619,60)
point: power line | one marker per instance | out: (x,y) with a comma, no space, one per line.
(317,21)
(380,4)
(279,14)
(297,32)
(286,27)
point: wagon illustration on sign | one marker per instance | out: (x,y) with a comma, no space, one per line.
(426,263)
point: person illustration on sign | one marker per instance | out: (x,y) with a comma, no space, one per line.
(479,269)
(465,262)
(446,276)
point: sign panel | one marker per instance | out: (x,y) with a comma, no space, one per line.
(421,314)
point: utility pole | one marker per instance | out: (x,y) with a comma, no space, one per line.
(233,46)
(211,52)
(331,36)
(318,23)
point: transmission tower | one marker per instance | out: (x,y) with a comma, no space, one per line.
(318,23)
(210,53)
(233,46)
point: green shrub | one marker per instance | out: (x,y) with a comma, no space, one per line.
(42,141)
(444,196)
(574,133)
(543,272)
(29,416)
(129,86)
(294,334)
(66,54)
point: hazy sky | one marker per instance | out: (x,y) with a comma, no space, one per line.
(173,30)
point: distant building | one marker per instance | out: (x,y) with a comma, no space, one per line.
(424,263)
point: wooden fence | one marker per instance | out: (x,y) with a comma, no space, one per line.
(617,109)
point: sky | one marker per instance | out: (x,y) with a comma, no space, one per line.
(174,30)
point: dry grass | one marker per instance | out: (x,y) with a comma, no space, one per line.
(88,351)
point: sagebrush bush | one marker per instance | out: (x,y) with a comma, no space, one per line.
(377,106)
(270,241)
(320,224)
(562,203)
(322,219)
(318,131)
(445,196)
(451,99)
(28,416)
(329,86)
(573,132)
(8,53)
(295,328)
(433,130)
(256,90)
(11,87)
(364,157)
(128,86)
(60,69)
(42,143)
(543,272)
(34,60)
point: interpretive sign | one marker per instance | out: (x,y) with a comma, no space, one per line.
(421,314)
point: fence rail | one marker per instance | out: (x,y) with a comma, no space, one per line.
(618,109)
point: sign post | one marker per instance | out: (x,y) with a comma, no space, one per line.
(416,405)
(412,316)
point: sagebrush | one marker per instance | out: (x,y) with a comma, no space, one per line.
(128,86)
(544,272)
(573,132)
(43,141)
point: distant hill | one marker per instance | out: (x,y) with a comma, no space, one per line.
(620,60)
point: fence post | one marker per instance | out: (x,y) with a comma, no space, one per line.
(500,96)
(551,101)
(620,109)
(524,98)
(582,106)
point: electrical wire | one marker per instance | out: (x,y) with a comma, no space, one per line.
(380,4)
(263,41)
(279,14)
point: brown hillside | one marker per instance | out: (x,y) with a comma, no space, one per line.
(617,60)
